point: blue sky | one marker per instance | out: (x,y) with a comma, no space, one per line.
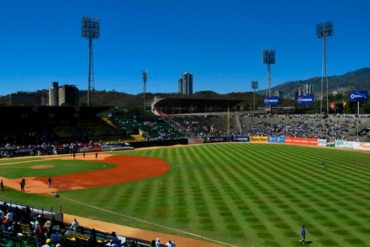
(219,41)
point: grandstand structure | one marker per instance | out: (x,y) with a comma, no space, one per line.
(32,227)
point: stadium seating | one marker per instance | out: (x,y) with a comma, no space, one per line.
(22,230)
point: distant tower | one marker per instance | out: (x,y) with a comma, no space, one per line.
(53,94)
(308,90)
(254,85)
(187,79)
(145,79)
(324,30)
(67,95)
(180,86)
(186,84)
(268,58)
(90,28)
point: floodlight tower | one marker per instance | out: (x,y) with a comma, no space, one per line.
(254,85)
(324,30)
(90,28)
(145,79)
(268,58)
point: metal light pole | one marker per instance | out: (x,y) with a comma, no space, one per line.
(324,30)
(268,58)
(145,79)
(90,28)
(254,85)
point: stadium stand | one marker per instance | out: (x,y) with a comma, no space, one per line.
(149,128)
(338,126)
(32,227)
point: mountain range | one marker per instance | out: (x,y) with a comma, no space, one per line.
(355,80)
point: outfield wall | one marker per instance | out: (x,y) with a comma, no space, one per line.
(329,142)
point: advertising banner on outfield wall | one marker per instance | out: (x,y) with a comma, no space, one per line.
(259,139)
(195,140)
(301,141)
(330,142)
(344,144)
(362,146)
(240,139)
(277,139)
(217,139)
(321,142)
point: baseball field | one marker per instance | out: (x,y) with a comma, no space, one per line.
(234,194)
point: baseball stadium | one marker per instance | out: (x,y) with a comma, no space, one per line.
(222,177)
(172,162)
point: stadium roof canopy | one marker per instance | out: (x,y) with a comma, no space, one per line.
(193,105)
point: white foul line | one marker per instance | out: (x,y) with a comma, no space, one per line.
(148,222)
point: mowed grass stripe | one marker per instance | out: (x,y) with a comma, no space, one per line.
(321,216)
(222,179)
(270,212)
(285,205)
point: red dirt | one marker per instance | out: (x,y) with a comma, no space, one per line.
(127,169)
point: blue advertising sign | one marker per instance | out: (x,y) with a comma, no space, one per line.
(240,139)
(355,96)
(277,139)
(305,100)
(274,100)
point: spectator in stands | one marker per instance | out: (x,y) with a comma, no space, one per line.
(170,243)
(37,229)
(115,240)
(47,242)
(54,236)
(153,244)
(74,226)
(158,242)
(92,238)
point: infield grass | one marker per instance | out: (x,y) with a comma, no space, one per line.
(243,194)
(58,167)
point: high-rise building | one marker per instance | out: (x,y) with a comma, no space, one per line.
(278,93)
(53,94)
(180,86)
(63,95)
(308,90)
(186,84)
(68,95)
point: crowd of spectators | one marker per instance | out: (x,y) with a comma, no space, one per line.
(152,128)
(204,126)
(337,126)
(342,127)
(12,150)
(33,228)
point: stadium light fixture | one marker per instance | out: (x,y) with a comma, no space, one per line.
(268,58)
(324,30)
(90,28)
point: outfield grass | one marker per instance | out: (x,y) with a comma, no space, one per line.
(59,167)
(243,194)
(17,160)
